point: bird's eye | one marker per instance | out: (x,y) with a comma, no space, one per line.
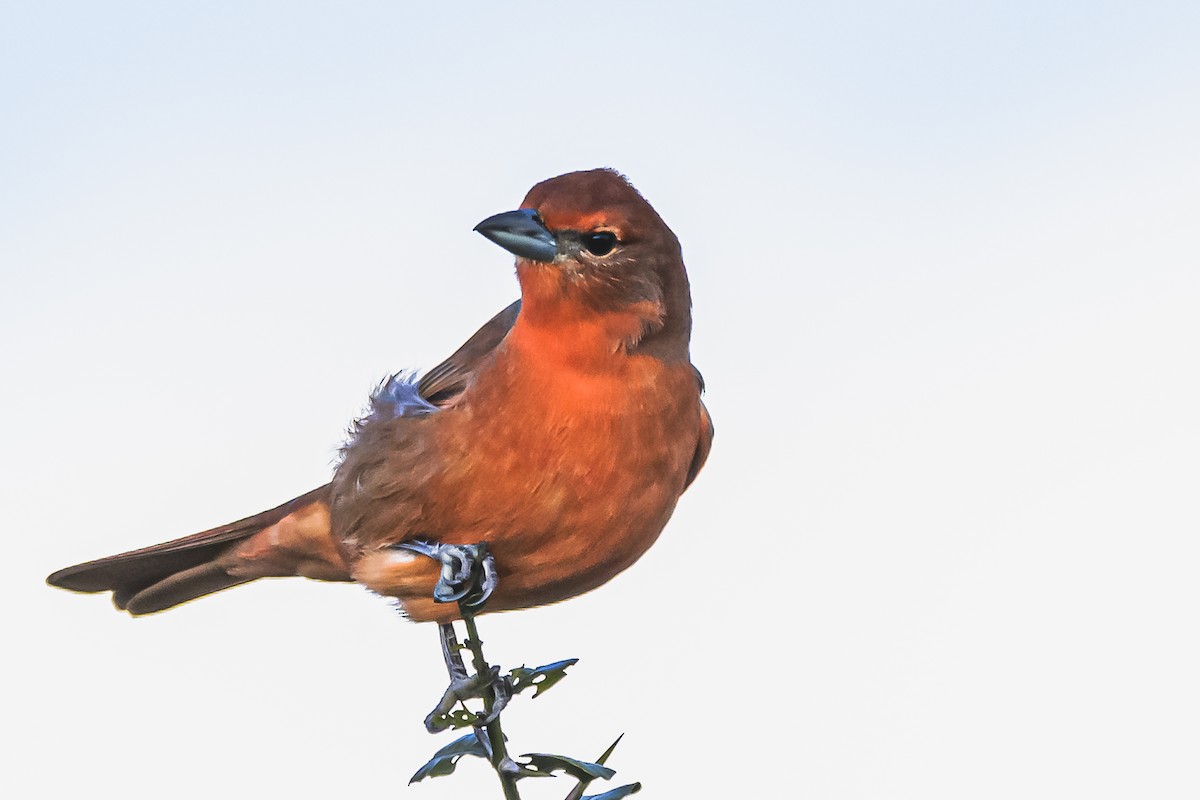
(600,243)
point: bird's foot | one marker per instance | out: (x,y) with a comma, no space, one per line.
(468,577)
(489,684)
(468,571)
(486,685)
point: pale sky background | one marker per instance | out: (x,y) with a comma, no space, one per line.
(947,298)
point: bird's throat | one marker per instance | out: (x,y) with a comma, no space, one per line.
(557,322)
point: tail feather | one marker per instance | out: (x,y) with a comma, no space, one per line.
(176,588)
(164,575)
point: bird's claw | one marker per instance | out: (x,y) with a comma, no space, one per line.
(468,573)
(502,691)
(489,683)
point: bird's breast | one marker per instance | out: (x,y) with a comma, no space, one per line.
(570,474)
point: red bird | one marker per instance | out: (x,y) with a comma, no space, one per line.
(561,436)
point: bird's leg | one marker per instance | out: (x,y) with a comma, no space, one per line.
(487,685)
(468,574)
(450,651)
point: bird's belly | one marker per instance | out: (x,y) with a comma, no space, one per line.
(578,498)
(571,481)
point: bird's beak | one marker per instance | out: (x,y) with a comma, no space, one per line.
(521,233)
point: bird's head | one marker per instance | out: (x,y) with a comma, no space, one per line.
(588,244)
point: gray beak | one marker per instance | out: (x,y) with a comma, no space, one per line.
(521,233)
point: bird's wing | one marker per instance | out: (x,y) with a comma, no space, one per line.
(443,384)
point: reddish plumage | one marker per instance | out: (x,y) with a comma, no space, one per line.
(564,437)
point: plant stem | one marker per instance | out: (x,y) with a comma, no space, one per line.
(494,731)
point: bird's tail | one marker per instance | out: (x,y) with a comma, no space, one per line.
(292,539)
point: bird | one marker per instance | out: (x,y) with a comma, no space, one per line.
(559,438)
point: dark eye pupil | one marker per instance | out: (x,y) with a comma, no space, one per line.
(600,244)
